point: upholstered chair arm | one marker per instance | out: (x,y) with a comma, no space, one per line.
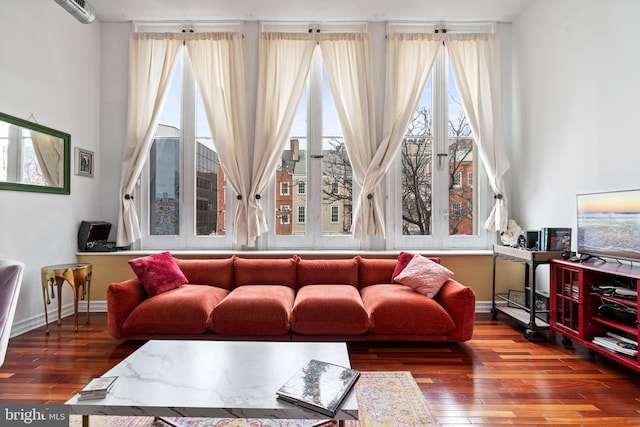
(122,298)
(460,303)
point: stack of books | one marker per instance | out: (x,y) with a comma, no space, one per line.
(572,290)
(618,344)
(97,388)
(555,239)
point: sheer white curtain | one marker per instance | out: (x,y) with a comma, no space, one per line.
(285,59)
(475,61)
(347,61)
(152,62)
(218,65)
(410,58)
(50,154)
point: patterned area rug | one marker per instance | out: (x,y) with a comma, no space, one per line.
(384,399)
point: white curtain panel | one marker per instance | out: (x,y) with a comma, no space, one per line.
(50,154)
(410,58)
(218,64)
(152,62)
(285,59)
(347,60)
(475,61)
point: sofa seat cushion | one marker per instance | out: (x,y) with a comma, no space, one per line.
(184,310)
(254,310)
(329,310)
(398,309)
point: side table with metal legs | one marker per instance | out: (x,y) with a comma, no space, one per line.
(79,278)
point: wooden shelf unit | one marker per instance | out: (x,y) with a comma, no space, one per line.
(574,305)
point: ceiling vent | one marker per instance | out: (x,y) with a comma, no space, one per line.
(82,10)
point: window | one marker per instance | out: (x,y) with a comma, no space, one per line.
(335,214)
(335,187)
(438,209)
(432,199)
(285,214)
(301,215)
(185,201)
(457,179)
(317,161)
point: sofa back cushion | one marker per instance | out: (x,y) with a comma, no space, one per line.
(375,271)
(327,272)
(213,272)
(265,272)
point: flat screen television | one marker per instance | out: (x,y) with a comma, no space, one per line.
(609,224)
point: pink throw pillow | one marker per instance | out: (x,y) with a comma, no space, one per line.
(158,273)
(424,276)
(403,260)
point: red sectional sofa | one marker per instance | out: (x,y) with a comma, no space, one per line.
(290,299)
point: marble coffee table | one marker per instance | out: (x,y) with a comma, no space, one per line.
(218,379)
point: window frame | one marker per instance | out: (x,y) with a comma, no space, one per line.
(440,238)
(187,237)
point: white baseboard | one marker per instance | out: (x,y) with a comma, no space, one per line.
(19,328)
(35,322)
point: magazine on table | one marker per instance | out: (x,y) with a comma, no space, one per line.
(319,386)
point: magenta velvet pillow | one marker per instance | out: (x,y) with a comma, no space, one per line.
(158,273)
(403,259)
(424,275)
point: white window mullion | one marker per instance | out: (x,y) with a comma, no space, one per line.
(440,149)
(188,195)
(314,161)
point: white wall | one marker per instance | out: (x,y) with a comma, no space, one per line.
(575,98)
(48,68)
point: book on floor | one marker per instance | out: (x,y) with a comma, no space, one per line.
(97,388)
(319,386)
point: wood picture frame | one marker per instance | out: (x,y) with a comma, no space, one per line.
(84,162)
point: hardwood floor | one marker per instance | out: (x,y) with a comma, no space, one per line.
(496,378)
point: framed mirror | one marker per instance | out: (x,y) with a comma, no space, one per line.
(33,157)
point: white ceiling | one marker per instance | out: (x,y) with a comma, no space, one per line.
(308,10)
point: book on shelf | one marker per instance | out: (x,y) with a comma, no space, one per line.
(618,344)
(97,388)
(555,239)
(319,386)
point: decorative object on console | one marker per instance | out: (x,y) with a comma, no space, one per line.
(509,236)
(158,273)
(93,236)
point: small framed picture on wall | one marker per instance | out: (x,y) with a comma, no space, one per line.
(84,162)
